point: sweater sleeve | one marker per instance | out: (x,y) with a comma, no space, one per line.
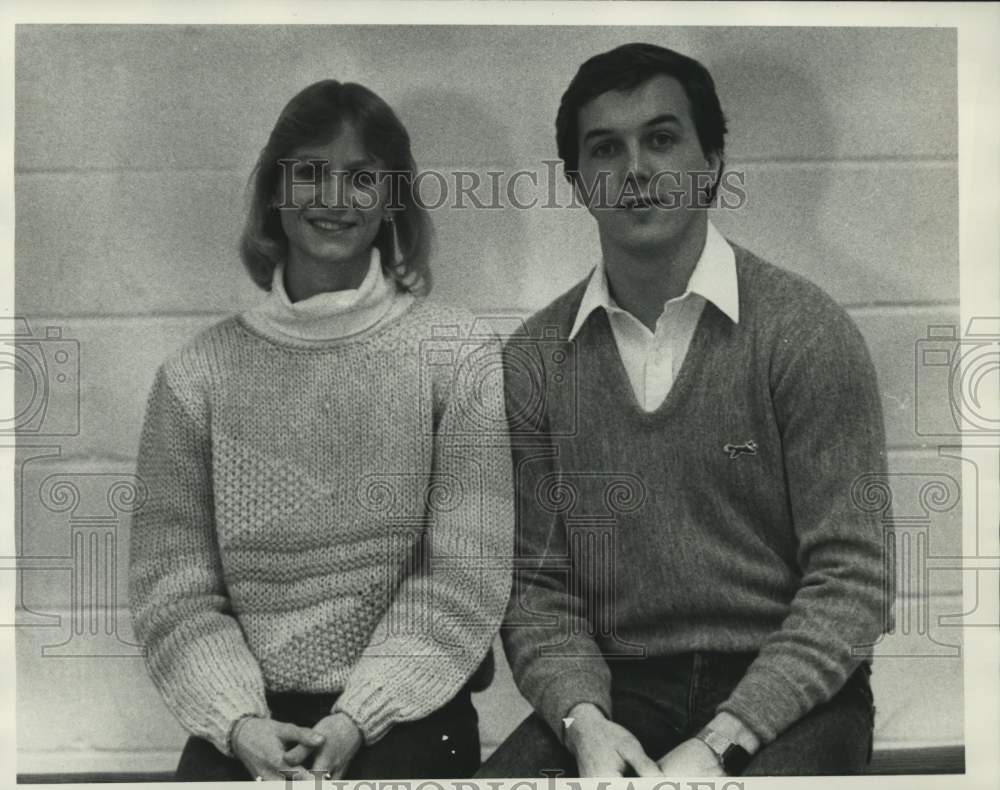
(195,650)
(448,608)
(828,409)
(555,661)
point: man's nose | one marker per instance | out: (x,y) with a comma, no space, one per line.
(639,164)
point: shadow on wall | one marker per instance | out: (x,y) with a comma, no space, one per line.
(481,254)
(835,222)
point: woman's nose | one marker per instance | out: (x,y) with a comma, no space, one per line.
(336,190)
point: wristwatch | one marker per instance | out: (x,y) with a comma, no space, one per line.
(733,757)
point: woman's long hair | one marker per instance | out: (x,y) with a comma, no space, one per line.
(315,116)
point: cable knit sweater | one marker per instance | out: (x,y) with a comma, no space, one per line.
(323,517)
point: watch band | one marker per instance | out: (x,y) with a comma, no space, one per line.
(732,757)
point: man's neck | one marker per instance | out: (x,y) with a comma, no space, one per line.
(642,281)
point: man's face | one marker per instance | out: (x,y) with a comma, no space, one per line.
(644,145)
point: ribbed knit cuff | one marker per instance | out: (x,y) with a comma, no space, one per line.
(766,704)
(369,706)
(214,719)
(572,688)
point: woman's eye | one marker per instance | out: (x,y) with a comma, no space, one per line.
(365,178)
(305,172)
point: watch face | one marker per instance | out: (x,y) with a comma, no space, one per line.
(735,760)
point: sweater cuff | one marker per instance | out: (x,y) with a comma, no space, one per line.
(572,688)
(226,716)
(766,703)
(368,705)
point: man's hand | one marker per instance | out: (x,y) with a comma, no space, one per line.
(691,758)
(603,748)
(341,740)
(694,757)
(260,744)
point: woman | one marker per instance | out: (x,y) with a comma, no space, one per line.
(324,471)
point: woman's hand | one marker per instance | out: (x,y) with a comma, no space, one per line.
(262,744)
(341,740)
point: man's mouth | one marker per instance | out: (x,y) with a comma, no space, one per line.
(636,203)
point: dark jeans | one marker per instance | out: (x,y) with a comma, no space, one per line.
(444,745)
(664,701)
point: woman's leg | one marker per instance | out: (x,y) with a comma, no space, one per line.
(202,762)
(444,745)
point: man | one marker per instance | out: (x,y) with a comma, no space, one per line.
(699,585)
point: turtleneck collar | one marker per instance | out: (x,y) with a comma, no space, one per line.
(331,315)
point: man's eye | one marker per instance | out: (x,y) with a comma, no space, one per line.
(602,150)
(662,139)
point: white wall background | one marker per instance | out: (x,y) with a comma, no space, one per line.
(133,145)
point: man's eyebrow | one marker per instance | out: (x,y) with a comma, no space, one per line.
(597,133)
(664,118)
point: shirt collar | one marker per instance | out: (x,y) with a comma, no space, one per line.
(328,315)
(714,278)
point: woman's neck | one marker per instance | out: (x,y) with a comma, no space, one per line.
(305,276)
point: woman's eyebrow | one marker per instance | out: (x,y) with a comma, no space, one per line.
(365,161)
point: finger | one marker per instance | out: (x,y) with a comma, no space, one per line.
(634,755)
(294,772)
(271,774)
(327,761)
(297,754)
(292,733)
(600,767)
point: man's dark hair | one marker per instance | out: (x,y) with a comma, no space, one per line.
(626,67)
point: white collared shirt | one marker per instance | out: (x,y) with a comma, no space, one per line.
(653,359)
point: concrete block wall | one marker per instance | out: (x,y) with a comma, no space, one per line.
(133,146)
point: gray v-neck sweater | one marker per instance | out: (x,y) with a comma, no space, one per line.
(728,519)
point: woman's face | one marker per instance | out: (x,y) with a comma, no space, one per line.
(331,210)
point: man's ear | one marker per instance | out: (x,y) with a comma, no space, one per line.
(714,164)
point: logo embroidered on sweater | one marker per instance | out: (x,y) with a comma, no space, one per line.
(736,450)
